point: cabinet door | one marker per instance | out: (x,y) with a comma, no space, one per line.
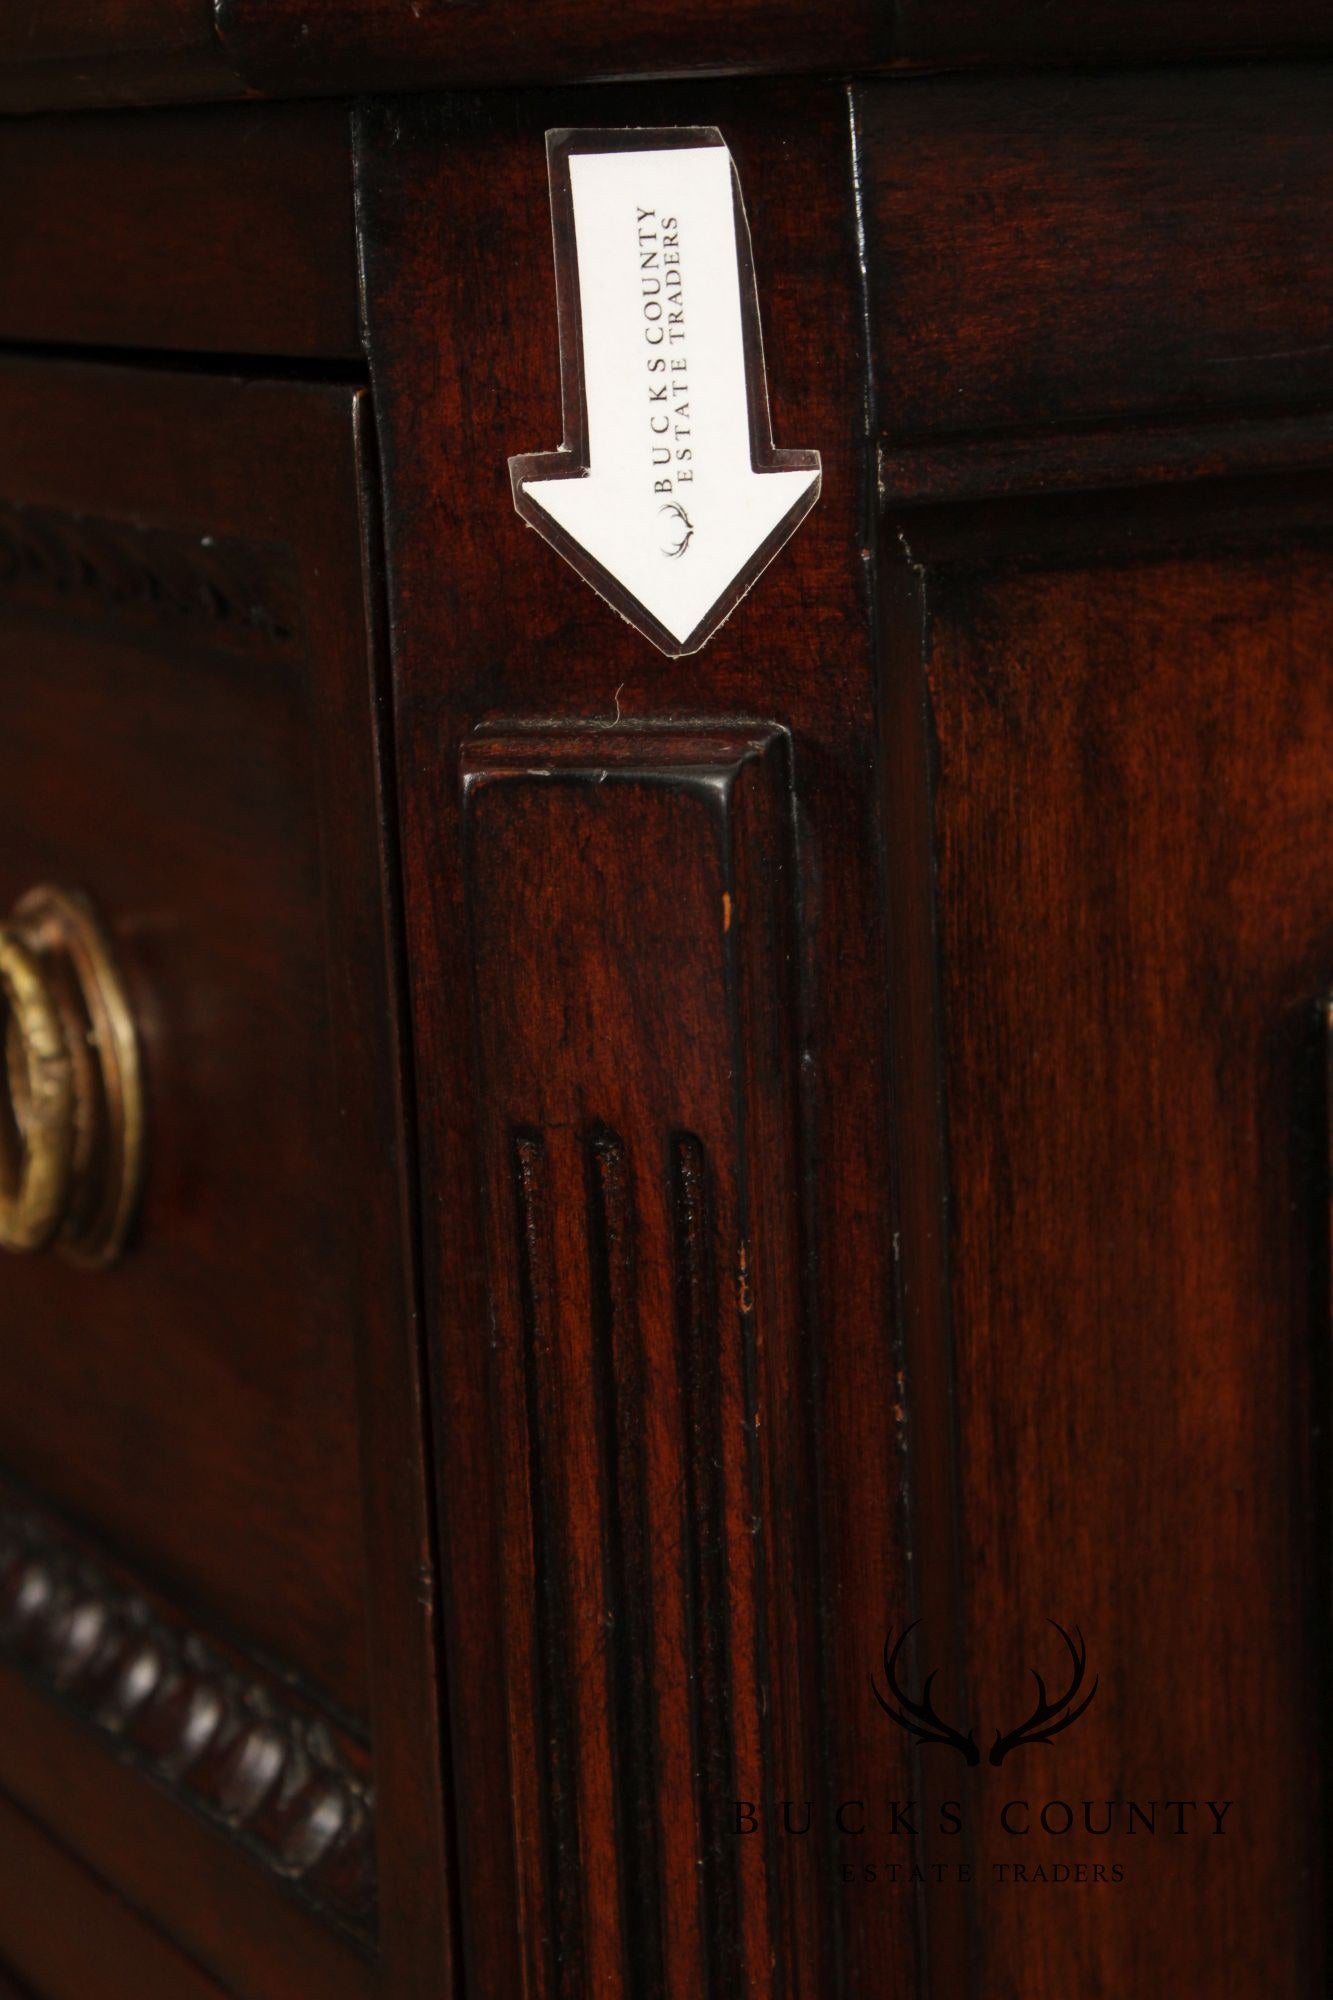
(1100,358)
(209,1451)
(1129,727)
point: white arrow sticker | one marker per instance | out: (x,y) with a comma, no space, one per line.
(667,494)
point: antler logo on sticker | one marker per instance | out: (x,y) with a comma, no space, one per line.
(667,496)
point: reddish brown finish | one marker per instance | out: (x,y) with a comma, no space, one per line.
(90,1933)
(58,52)
(290,44)
(77,30)
(222,934)
(960,32)
(191,738)
(286,44)
(1140,246)
(115,51)
(631,894)
(252,1935)
(1105,751)
(1033,800)
(1042,461)
(1129,734)
(486,622)
(230,1738)
(222,231)
(1029,1250)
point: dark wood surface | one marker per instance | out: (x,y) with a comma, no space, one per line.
(651,1377)
(124,716)
(213,1900)
(1125,721)
(330,41)
(1027,242)
(1139,454)
(90,1930)
(227,1736)
(90,52)
(196,712)
(288,44)
(87,52)
(215,231)
(1100,749)
(232,1412)
(868,1077)
(1105,738)
(961,32)
(487,623)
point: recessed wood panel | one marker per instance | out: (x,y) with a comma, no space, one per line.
(1130,732)
(632,900)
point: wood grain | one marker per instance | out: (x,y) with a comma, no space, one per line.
(1125,731)
(486,622)
(1143,246)
(214,1728)
(234,1410)
(280,43)
(89,52)
(632,900)
(949,936)
(212,231)
(174,1446)
(1102,457)
(574,40)
(156,1861)
(72,1934)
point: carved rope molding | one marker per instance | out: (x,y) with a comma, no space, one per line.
(229,592)
(218,1736)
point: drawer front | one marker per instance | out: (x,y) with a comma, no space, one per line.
(220,231)
(183,1439)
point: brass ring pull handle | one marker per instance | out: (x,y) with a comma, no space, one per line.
(38,1132)
(71,1095)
